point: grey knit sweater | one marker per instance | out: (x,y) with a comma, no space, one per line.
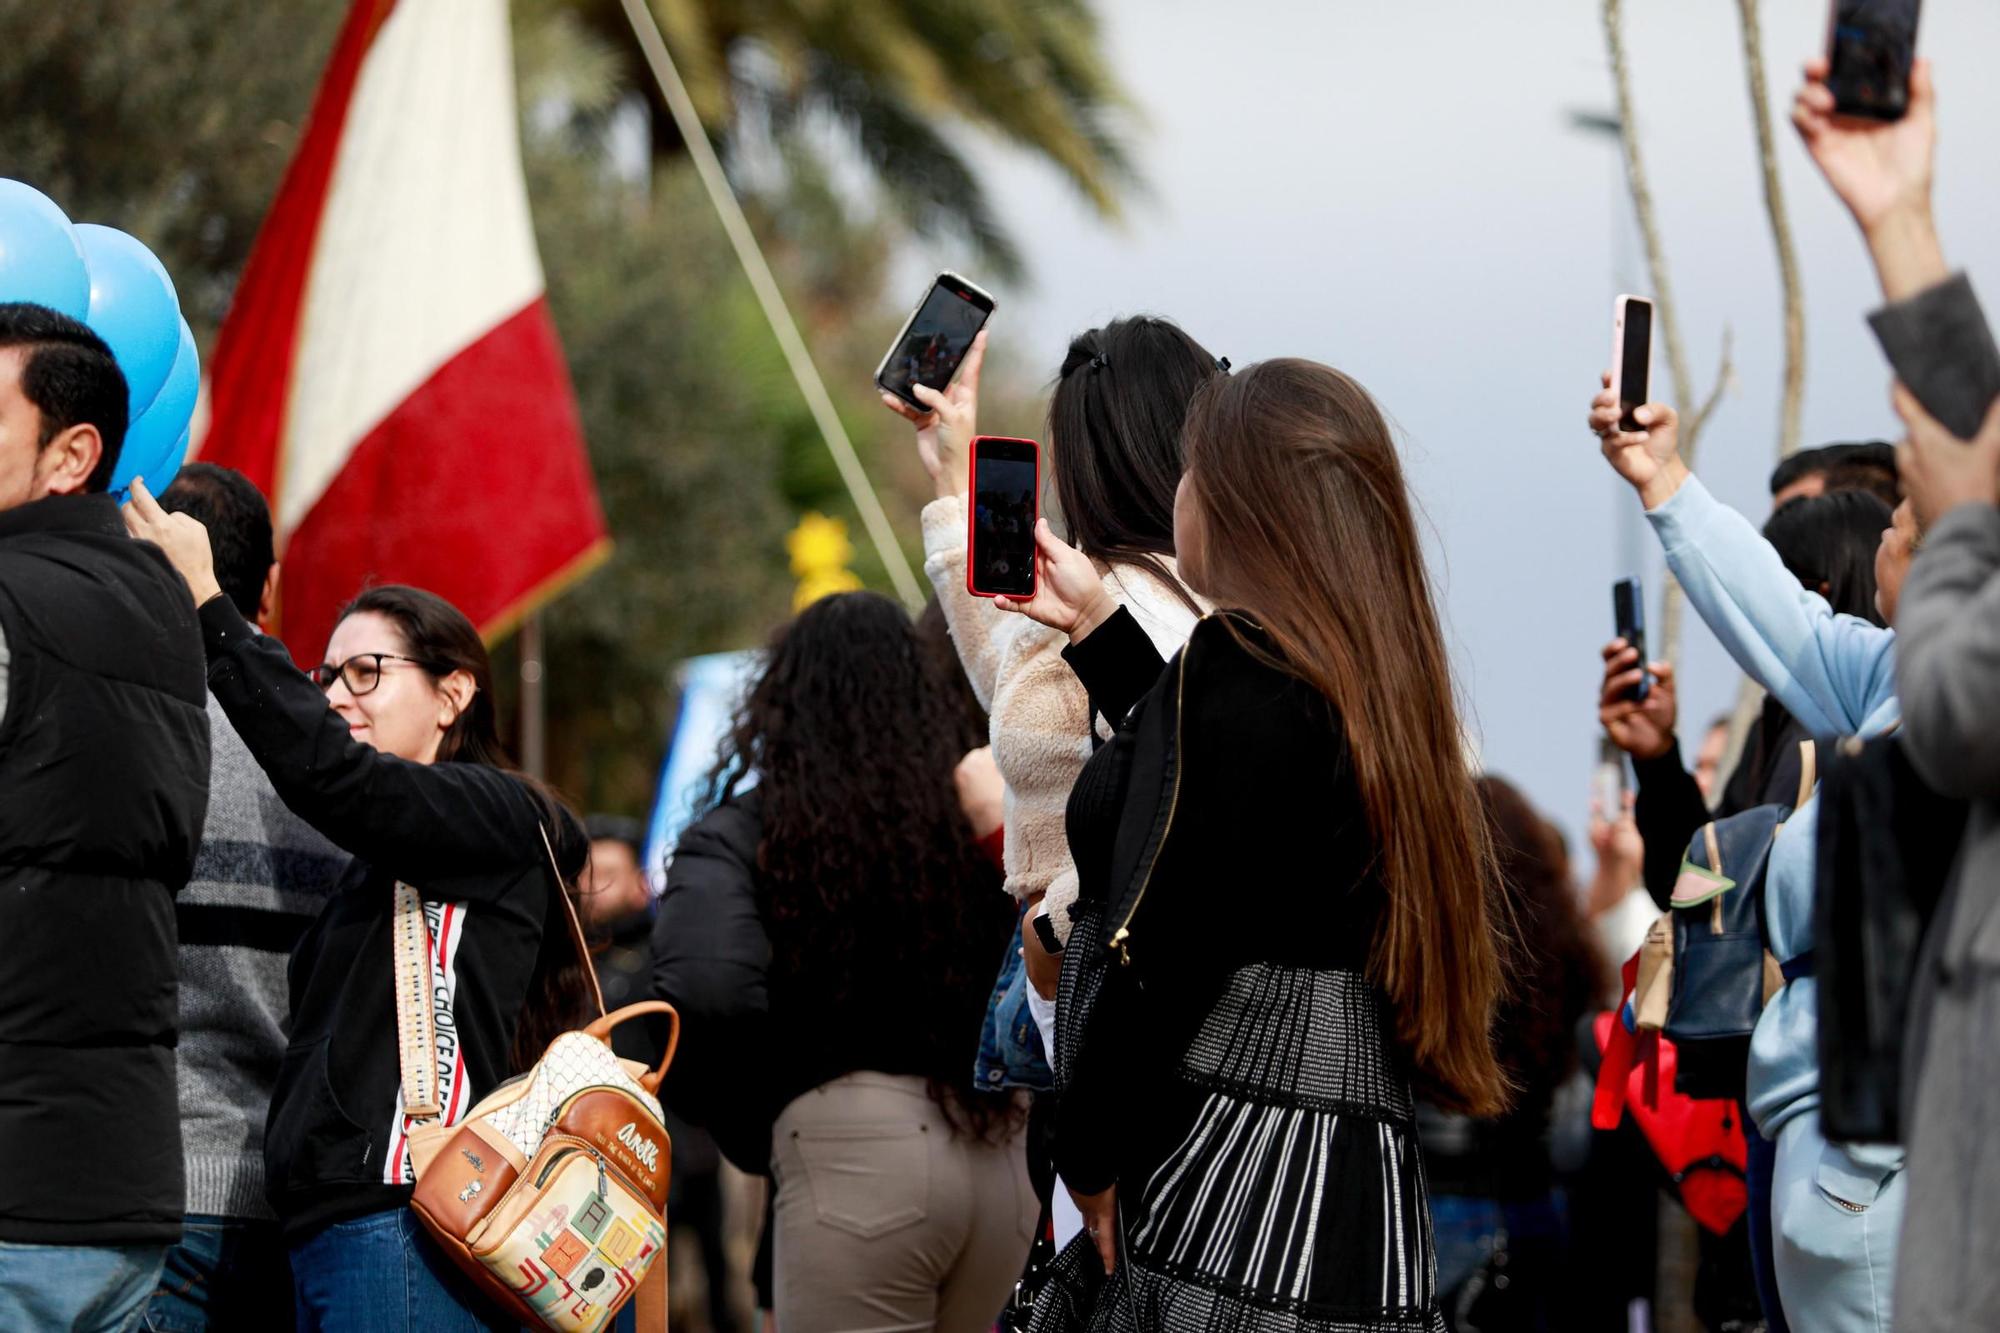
(261,877)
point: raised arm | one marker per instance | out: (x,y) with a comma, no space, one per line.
(945,428)
(1830,671)
(412,820)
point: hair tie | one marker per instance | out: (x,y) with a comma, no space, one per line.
(1222,364)
(1099,361)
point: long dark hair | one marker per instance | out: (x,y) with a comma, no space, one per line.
(442,640)
(875,895)
(1828,542)
(1302,498)
(1115,420)
(1555,971)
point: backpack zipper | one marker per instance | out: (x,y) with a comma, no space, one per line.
(1121,938)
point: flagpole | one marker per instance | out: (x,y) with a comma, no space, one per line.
(647,29)
(534,704)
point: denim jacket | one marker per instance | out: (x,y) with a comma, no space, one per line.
(1010,1045)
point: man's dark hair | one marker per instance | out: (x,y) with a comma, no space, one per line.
(71,378)
(239,528)
(1866,466)
(618,828)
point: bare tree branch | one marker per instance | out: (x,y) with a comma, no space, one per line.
(1781,233)
(1725,375)
(1663,302)
(1642,204)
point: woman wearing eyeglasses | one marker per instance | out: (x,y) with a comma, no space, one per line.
(393,757)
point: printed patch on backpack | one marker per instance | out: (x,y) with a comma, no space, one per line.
(1698,884)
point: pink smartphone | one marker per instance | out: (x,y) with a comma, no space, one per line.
(1631,356)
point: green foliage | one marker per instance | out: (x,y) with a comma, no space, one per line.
(895,77)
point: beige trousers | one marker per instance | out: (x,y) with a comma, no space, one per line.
(887,1222)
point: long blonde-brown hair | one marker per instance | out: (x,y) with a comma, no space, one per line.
(1307,520)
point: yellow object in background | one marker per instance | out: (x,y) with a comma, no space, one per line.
(820,551)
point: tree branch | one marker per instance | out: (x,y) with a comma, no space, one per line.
(1642,204)
(1781,233)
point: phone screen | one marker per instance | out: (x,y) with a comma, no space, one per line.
(1635,360)
(937,339)
(1872,47)
(1628,613)
(1003,518)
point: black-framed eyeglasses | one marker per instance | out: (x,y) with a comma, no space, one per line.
(362,672)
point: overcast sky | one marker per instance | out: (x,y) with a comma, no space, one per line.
(1395,189)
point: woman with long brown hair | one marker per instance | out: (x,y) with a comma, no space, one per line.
(1283,931)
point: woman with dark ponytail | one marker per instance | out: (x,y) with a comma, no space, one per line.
(390,750)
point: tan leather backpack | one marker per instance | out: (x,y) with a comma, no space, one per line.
(551,1193)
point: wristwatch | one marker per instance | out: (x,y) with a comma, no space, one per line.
(1045,931)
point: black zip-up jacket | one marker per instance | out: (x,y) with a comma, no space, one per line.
(103,787)
(1670,809)
(1225,819)
(466,836)
(753,1037)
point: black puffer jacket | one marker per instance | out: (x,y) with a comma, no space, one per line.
(103,787)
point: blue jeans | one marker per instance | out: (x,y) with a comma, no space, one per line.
(227,1273)
(1836,1215)
(1465,1229)
(1010,1046)
(85,1288)
(1760,1160)
(381,1274)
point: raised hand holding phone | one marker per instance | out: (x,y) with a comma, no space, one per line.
(1881,170)
(1642,728)
(1650,457)
(947,421)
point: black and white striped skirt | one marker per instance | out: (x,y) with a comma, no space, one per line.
(1296,1199)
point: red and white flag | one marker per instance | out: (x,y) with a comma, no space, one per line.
(388,373)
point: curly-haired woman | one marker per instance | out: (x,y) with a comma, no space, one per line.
(827,933)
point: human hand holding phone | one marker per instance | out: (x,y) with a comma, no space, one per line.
(1619,849)
(1069,592)
(1881,170)
(1650,457)
(1642,728)
(947,422)
(1938,470)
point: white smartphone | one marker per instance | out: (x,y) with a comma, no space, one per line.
(1631,356)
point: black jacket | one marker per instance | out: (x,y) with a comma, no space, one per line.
(1670,809)
(103,787)
(468,837)
(1226,819)
(751,1041)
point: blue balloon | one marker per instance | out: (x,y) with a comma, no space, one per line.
(157,441)
(133,308)
(40,259)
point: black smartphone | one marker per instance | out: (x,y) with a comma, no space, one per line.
(1628,610)
(1000,541)
(934,339)
(1631,356)
(1870,46)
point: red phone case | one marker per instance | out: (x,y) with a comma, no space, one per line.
(972,513)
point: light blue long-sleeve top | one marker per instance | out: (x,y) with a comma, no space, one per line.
(1837,676)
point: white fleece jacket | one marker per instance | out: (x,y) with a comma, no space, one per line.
(1040,712)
